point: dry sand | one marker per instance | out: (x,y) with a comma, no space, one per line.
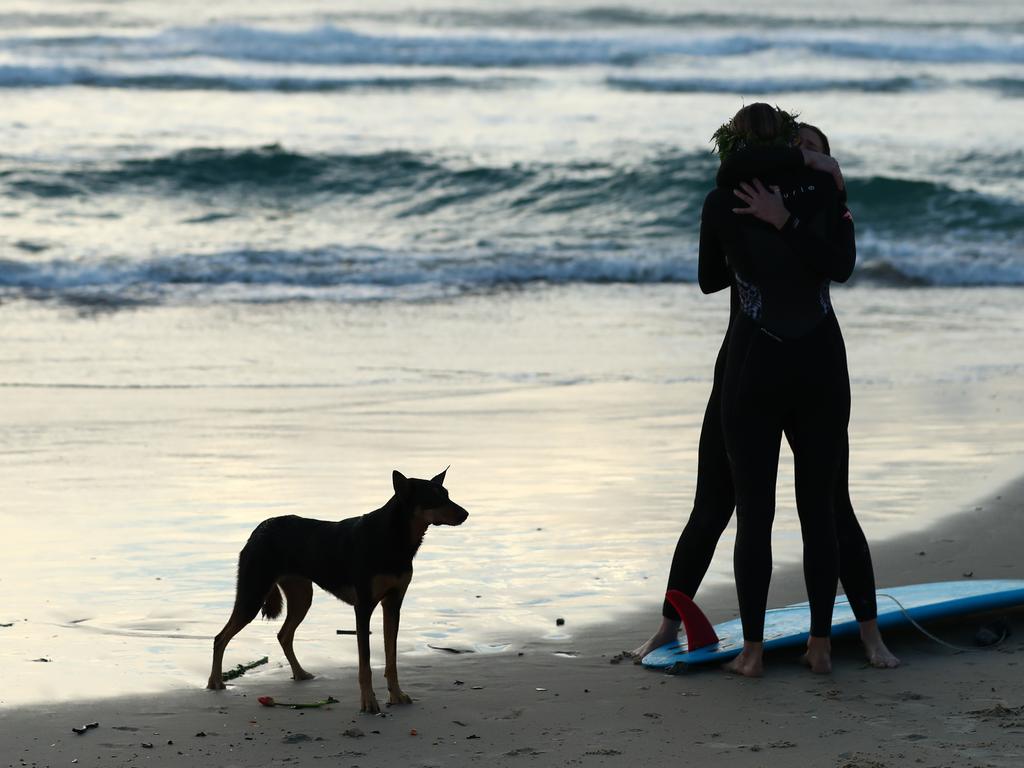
(537,708)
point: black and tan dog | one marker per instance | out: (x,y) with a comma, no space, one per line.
(362,560)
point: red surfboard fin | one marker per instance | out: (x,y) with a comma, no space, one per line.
(699,632)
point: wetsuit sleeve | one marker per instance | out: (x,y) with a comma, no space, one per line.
(759,162)
(825,244)
(712,268)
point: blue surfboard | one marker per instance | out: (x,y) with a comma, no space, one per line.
(790,626)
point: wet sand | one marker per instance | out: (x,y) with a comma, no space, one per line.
(579,707)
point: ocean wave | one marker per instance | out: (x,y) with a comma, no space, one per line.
(12,76)
(468,226)
(647,198)
(939,50)
(330,44)
(598,16)
(880,271)
(985,165)
(418,184)
(913,206)
(339,274)
(333,45)
(615,16)
(433,180)
(205,169)
(912,265)
(764,86)
(1008,86)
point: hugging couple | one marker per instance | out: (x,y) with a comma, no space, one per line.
(776,232)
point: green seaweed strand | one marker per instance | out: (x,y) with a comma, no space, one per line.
(241,669)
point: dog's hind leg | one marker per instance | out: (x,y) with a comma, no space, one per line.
(299,594)
(249,596)
(391,604)
(238,621)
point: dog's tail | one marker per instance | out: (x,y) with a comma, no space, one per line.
(273,603)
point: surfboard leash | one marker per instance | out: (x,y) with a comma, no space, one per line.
(939,640)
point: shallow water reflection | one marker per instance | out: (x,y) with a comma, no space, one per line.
(129,493)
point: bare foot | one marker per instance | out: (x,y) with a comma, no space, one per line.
(819,655)
(303,675)
(879,656)
(215,684)
(667,632)
(749,663)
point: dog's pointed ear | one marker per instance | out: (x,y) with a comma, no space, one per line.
(400,482)
(439,479)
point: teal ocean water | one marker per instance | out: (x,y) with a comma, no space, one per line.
(170,153)
(254,256)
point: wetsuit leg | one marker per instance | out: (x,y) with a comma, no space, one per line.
(815,478)
(754,396)
(855,570)
(815,429)
(713,501)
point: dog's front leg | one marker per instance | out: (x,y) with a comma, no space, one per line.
(392,606)
(368,700)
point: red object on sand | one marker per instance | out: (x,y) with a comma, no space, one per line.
(699,632)
(266,701)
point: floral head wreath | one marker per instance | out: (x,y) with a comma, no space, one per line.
(727,140)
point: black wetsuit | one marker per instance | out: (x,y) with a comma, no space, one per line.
(713,502)
(714,498)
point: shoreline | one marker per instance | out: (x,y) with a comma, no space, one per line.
(937,709)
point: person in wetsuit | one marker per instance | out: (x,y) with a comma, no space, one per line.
(855,571)
(785,373)
(714,497)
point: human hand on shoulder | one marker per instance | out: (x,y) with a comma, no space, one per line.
(763,203)
(819,161)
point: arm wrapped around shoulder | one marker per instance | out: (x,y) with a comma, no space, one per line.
(824,240)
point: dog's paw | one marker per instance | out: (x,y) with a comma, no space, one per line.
(215,685)
(370,705)
(303,675)
(401,697)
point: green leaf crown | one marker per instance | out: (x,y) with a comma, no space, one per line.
(727,140)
